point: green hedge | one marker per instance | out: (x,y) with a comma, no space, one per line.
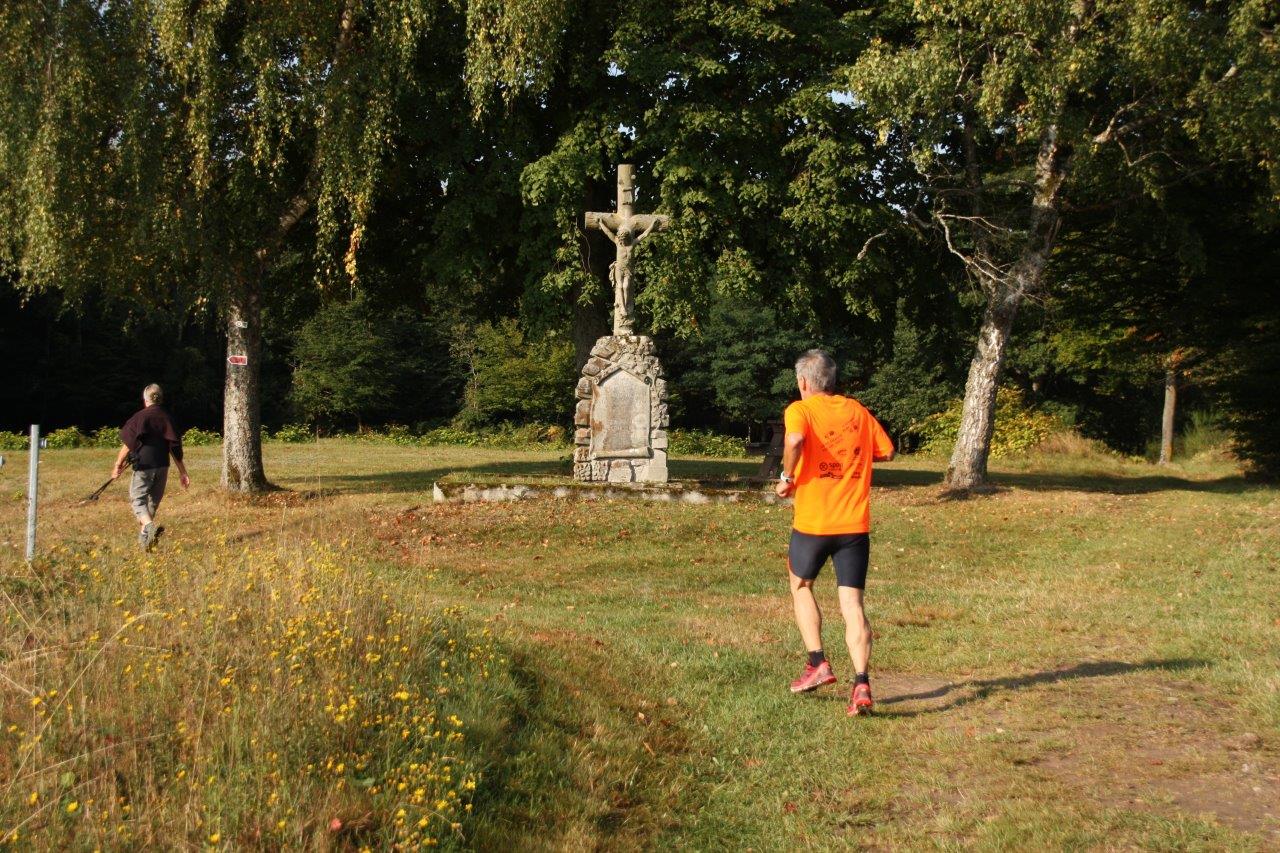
(533,436)
(695,442)
(103,437)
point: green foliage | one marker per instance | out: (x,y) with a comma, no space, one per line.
(1246,380)
(356,362)
(694,442)
(104,437)
(1205,434)
(912,385)
(65,438)
(502,436)
(750,361)
(511,378)
(294,434)
(13,441)
(196,437)
(1019,427)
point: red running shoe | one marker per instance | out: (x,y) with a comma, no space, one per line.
(859,700)
(814,677)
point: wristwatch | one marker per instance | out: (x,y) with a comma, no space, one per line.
(786,478)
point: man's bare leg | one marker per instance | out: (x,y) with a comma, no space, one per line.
(857,630)
(808,616)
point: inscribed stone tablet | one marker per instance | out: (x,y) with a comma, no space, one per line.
(620,417)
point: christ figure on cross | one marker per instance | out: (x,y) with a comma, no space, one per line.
(625,228)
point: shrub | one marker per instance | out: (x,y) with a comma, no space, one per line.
(504,436)
(105,437)
(358,362)
(294,434)
(693,442)
(513,378)
(1018,429)
(65,438)
(13,441)
(1203,436)
(196,437)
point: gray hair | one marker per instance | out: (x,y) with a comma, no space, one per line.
(153,394)
(819,369)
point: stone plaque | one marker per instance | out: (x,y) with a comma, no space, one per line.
(620,417)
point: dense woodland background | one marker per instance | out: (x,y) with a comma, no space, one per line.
(438,273)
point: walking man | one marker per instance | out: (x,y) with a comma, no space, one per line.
(830,444)
(149,439)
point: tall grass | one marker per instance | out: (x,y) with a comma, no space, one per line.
(1204,435)
(233,697)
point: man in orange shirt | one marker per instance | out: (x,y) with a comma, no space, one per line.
(830,444)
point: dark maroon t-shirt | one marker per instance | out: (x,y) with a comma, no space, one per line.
(151,437)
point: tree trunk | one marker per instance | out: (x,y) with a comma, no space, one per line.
(241,416)
(1170,410)
(968,466)
(1005,292)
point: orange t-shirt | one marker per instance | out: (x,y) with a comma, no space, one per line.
(833,476)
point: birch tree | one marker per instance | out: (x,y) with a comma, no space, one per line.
(1008,112)
(168,150)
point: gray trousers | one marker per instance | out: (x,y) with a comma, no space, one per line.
(145,491)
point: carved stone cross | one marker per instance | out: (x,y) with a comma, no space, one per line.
(625,228)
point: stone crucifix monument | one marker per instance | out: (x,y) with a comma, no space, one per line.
(621,418)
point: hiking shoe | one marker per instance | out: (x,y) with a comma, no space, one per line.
(814,677)
(859,700)
(147,537)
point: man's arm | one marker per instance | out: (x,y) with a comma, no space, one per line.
(791,447)
(182,473)
(175,450)
(120,457)
(882,446)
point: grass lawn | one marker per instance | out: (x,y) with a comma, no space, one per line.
(1089,658)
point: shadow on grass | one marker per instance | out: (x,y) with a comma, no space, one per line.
(1122,485)
(742,473)
(967,692)
(422,481)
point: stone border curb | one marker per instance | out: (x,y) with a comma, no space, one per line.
(675,493)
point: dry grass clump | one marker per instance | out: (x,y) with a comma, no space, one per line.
(1066,442)
(236,698)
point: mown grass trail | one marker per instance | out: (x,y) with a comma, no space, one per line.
(1087,658)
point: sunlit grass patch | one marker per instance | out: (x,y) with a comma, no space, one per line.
(263,698)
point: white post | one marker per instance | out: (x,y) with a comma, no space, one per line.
(33,479)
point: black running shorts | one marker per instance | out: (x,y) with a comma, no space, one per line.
(848,551)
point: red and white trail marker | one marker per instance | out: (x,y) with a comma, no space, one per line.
(238,360)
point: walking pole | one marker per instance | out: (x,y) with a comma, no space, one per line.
(33,479)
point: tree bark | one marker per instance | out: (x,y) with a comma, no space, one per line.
(968,466)
(1170,410)
(1005,292)
(242,469)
